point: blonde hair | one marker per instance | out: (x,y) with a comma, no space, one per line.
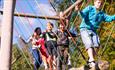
(99,0)
(50,24)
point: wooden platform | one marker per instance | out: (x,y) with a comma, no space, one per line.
(100,65)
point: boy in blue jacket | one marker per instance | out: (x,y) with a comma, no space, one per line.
(92,16)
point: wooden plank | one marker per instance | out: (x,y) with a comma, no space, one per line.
(34,16)
(72,6)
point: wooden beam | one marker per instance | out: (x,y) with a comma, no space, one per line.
(72,6)
(46,17)
(34,16)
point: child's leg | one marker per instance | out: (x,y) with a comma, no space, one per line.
(91,57)
(50,61)
(87,39)
(54,62)
(37,58)
(91,54)
(96,43)
(45,61)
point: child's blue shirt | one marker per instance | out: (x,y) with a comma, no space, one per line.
(91,18)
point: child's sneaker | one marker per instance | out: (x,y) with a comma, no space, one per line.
(91,64)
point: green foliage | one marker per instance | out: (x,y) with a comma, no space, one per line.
(64,5)
(18,59)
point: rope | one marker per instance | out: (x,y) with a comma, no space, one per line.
(106,44)
(40,9)
(32,29)
(19,29)
(101,29)
(108,40)
(38,49)
(55,34)
(35,13)
(22,51)
(27,19)
(35,59)
(46,19)
(23,22)
(25,57)
(74,40)
(56,11)
(52,5)
(102,9)
(104,49)
(28,53)
(69,33)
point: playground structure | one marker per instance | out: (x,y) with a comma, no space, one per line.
(6,41)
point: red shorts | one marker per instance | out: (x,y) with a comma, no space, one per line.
(43,49)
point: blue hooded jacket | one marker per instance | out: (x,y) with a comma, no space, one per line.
(91,18)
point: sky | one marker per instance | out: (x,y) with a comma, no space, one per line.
(24,26)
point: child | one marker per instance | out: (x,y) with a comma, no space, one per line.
(50,41)
(63,46)
(92,16)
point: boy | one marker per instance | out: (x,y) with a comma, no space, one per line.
(63,46)
(92,16)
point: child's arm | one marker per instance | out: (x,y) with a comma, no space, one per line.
(109,18)
(26,42)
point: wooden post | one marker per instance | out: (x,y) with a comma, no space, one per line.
(7,35)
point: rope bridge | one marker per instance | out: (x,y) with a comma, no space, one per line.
(26,16)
